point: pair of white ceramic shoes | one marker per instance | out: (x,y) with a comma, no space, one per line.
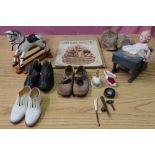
(110,78)
(27,105)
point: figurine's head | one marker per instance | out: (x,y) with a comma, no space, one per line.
(145,36)
(12,35)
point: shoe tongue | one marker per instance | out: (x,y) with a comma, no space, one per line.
(33,72)
(18,97)
(44,72)
(46,69)
(79,79)
(34,99)
(34,96)
(46,64)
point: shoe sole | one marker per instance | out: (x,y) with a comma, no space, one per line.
(83,95)
(65,95)
(46,90)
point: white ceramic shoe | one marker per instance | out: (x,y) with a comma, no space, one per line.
(33,111)
(20,105)
(106,72)
(110,78)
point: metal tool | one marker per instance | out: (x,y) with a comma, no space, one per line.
(96,110)
(104,107)
(111,103)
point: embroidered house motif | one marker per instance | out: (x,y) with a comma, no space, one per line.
(75,52)
(78,55)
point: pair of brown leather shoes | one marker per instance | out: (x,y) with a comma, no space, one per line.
(75,83)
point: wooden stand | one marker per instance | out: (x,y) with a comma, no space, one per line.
(135,64)
(135,72)
(34,53)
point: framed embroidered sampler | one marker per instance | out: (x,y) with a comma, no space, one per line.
(79,51)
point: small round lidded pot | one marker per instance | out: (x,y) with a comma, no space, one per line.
(96,81)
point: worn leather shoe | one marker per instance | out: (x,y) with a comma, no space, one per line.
(66,82)
(81,83)
(46,80)
(33,74)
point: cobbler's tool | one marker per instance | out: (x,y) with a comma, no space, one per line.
(109,92)
(104,107)
(111,103)
(96,110)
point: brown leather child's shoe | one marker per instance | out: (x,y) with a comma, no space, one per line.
(66,82)
(81,83)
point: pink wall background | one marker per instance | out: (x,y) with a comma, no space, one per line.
(73,30)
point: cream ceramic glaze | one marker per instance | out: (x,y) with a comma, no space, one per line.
(109,74)
(20,105)
(96,81)
(33,111)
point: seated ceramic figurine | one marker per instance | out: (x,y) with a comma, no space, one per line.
(140,49)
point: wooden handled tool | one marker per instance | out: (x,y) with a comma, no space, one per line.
(96,110)
(105,107)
